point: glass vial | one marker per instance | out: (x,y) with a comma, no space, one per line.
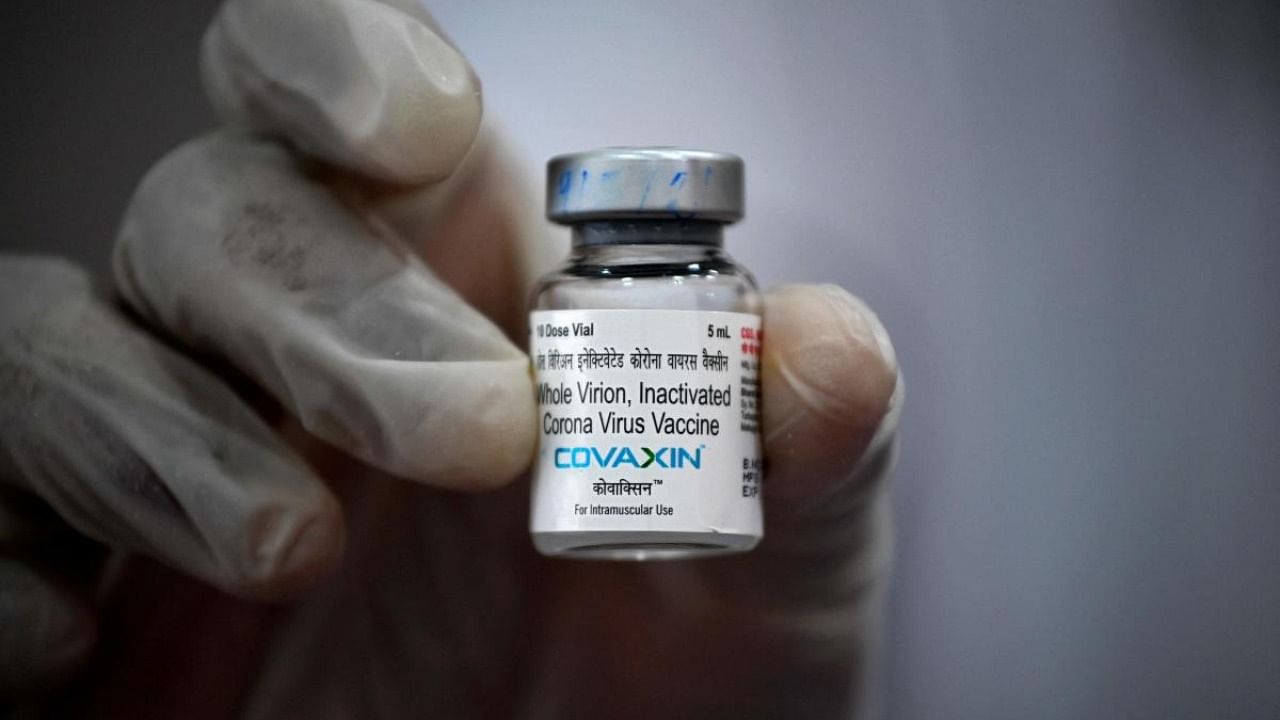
(646,347)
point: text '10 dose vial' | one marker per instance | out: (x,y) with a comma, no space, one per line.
(646,347)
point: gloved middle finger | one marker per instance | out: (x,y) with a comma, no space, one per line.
(229,246)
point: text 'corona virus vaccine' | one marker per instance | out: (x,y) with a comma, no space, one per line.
(645,346)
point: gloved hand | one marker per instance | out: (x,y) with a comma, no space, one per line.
(287,364)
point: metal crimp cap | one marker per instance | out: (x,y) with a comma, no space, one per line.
(644,182)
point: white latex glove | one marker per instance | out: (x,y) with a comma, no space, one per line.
(281,258)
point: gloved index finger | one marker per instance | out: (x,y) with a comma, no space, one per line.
(362,84)
(229,248)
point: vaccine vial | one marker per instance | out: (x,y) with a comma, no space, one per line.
(645,345)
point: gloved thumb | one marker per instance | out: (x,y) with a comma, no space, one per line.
(832,392)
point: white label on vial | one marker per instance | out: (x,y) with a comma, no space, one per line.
(648,420)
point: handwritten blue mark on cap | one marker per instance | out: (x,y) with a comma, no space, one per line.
(648,184)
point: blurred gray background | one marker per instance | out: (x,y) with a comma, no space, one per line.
(1068,214)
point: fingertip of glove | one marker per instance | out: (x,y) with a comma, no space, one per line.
(313,551)
(505,438)
(482,439)
(829,377)
(832,352)
(360,84)
(290,551)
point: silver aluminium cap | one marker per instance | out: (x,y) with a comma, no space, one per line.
(644,182)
